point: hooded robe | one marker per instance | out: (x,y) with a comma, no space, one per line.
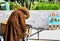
(16,26)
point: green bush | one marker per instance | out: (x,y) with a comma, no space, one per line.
(14,5)
(40,6)
(2,2)
(42,0)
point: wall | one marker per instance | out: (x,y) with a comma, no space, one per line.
(38,18)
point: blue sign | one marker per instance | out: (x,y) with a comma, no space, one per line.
(54,20)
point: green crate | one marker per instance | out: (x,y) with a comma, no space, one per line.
(5,6)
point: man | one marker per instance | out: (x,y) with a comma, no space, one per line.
(16,26)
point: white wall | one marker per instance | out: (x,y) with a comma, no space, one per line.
(38,18)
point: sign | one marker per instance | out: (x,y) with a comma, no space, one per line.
(54,20)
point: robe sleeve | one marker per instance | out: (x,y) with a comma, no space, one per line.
(22,21)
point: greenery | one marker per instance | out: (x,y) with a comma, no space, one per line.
(45,6)
(14,5)
(35,5)
(42,0)
(2,2)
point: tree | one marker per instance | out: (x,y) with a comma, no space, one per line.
(6,0)
(26,3)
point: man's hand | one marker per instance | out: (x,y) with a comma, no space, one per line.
(27,34)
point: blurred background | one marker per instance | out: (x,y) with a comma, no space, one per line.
(30,4)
